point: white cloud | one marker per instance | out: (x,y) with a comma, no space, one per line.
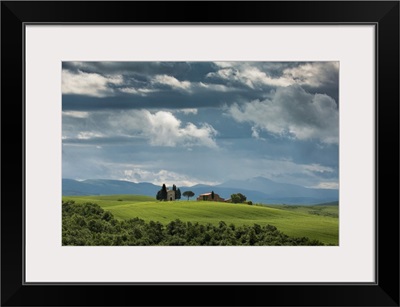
(86,135)
(326,185)
(136,91)
(187,111)
(225,64)
(90,84)
(316,168)
(213,87)
(256,134)
(159,177)
(76,114)
(190,86)
(312,74)
(159,128)
(164,129)
(293,113)
(250,76)
(172,82)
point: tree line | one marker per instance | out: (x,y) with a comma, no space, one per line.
(90,225)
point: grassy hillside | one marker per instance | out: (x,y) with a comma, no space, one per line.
(106,201)
(322,210)
(332,203)
(294,221)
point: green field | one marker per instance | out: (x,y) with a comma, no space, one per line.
(316,222)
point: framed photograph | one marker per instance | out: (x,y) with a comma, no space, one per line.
(241,146)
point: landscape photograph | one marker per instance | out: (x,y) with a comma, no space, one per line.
(228,153)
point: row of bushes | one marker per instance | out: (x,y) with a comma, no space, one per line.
(88,224)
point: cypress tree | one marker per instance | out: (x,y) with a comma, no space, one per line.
(164,193)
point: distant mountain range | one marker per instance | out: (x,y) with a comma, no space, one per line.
(258,190)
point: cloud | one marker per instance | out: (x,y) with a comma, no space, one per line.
(292,113)
(326,185)
(213,87)
(76,114)
(256,134)
(189,86)
(158,177)
(172,82)
(187,111)
(316,168)
(86,135)
(164,129)
(136,91)
(129,68)
(159,128)
(314,74)
(90,84)
(249,76)
(257,75)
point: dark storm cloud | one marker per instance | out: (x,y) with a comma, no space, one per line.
(101,141)
(329,90)
(161,99)
(124,85)
(191,71)
(110,68)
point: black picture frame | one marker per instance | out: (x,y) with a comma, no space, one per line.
(383,14)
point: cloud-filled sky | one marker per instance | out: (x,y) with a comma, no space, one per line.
(187,123)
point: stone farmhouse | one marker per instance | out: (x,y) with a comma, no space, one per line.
(208,197)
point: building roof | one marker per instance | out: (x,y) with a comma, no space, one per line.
(207,194)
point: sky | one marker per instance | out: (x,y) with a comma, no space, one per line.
(188,123)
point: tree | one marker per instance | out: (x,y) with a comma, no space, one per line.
(188,194)
(212,194)
(235,198)
(162,194)
(238,198)
(242,197)
(178,194)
